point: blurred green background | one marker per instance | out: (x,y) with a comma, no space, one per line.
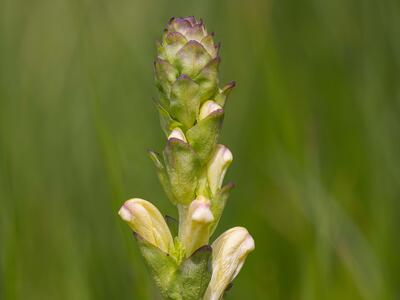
(314,126)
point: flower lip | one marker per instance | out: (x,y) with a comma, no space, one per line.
(201,208)
(226,154)
(218,166)
(125,213)
(248,243)
(203,215)
(178,134)
(208,108)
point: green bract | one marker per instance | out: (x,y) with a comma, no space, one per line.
(191,169)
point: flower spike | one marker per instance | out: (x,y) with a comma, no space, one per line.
(191,169)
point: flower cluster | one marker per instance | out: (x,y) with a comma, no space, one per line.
(191,170)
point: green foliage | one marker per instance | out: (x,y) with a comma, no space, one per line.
(182,165)
(194,274)
(162,266)
(186,280)
(218,203)
(185,102)
(204,135)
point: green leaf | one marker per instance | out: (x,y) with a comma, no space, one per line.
(195,32)
(172,43)
(194,274)
(218,204)
(161,265)
(192,58)
(204,135)
(166,121)
(209,45)
(162,174)
(163,99)
(187,281)
(178,25)
(166,74)
(182,167)
(184,102)
(208,80)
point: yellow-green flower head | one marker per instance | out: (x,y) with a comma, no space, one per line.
(187,44)
(146,220)
(186,69)
(229,254)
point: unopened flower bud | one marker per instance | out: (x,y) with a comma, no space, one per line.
(177,133)
(146,220)
(218,166)
(208,108)
(196,226)
(229,253)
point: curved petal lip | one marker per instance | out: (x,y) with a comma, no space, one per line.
(124,213)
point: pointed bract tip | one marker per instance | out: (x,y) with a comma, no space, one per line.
(229,186)
(152,151)
(232,83)
(228,87)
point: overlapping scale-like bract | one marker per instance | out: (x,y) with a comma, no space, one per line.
(186,69)
(186,73)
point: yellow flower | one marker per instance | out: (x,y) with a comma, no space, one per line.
(196,229)
(217,167)
(177,133)
(208,108)
(146,220)
(229,253)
